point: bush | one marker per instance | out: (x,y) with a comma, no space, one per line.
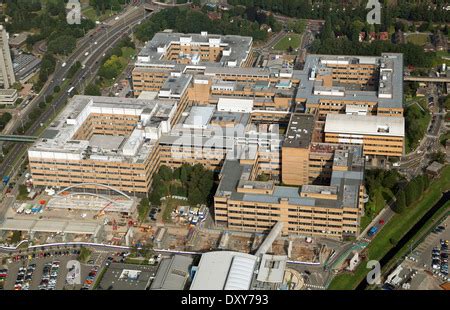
(84,255)
(92,90)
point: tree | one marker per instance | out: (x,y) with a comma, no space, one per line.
(438,156)
(63,45)
(390,179)
(195,197)
(165,173)
(420,185)
(411,193)
(155,198)
(400,204)
(143,208)
(184,171)
(327,32)
(447,103)
(4,119)
(57,89)
(297,26)
(92,90)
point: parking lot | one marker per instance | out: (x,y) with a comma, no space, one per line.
(47,272)
(430,258)
(432,253)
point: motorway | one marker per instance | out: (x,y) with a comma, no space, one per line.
(105,36)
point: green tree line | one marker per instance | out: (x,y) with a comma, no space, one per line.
(194,182)
(238,21)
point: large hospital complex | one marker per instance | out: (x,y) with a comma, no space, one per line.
(287,145)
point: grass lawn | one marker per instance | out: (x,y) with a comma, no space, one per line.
(291,39)
(418,39)
(91,14)
(419,236)
(396,228)
(441,57)
(366,219)
(84,255)
(137,261)
(128,52)
(421,122)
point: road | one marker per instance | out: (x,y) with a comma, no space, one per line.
(413,163)
(106,37)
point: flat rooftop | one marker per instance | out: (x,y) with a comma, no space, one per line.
(300,130)
(173,273)
(57,141)
(235,48)
(120,276)
(343,184)
(365,125)
(389,86)
(106,142)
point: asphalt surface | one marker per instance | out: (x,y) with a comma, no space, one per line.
(13,269)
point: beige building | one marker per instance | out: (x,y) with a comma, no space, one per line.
(7,78)
(331,210)
(201,102)
(379,135)
(102,141)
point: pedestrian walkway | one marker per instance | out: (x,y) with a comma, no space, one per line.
(317,287)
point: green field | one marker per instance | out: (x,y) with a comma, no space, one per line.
(91,14)
(293,40)
(419,236)
(441,57)
(418,39)
(395,229)
(420,122)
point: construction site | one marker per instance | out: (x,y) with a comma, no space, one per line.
(68,216)
(204,240)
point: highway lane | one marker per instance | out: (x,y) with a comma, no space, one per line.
(105,40)
(84,44)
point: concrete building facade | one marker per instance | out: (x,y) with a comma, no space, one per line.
(7,78)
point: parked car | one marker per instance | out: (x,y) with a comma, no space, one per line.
(372,231)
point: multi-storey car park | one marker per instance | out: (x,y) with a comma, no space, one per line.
(199,101)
